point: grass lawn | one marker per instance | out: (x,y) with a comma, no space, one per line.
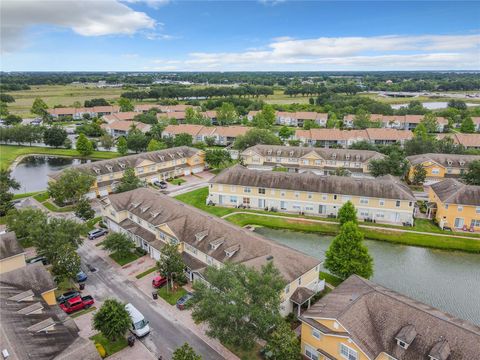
(91,223)
(122,260)
(197,199)
(64,286)
(280,169)
(11,152)
(83,312)
(110,347)
(25,195)
(250,354)
(43,196)
(331,279)
(176,181)
(146,272)
(52,207)
(169,296)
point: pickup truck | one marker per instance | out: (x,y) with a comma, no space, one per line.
(77,303)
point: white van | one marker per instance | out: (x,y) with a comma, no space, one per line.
(139,325)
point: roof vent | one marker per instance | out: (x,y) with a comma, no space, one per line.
(230,251)
(270,257)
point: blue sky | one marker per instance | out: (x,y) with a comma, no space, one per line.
(170,35)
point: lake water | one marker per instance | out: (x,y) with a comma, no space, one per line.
(447,280)
(32,172)
(434,105)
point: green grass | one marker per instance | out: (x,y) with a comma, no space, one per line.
(109,346)
(83,312)
(25,195)
(11,152)
(197,199)
(169,296)
(52,207)
(245,354)
(331,279)
(176,181)
(43,196)
(146,272)
(91,223)
(64,286)
(280,169)
(121,259)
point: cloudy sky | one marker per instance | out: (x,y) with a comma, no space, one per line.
(177,35)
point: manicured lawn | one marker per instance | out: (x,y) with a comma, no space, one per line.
(43,196)
(176,181)
(91,223)
(52,207)
(83,312)
(25,195)
(331,279)
(146,272)
(197,199)
(11,152)
(243,354)
(110,347)
(124,259)
(169,296)
(280,169)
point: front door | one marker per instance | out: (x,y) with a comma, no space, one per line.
(458,223)
(220,199)
(261,203)
(322,209)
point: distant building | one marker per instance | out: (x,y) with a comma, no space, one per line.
(77,113)
(118,128)
(469,141)
(400,122)
(223,135)
(360,320)
(295,118)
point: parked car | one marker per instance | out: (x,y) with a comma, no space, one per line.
(159,281)
(183,301)
(97,233)
(161,184)
(68,295)
(77,303)
(36,259)
(81,276)
(139,325)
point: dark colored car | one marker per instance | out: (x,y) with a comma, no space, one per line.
(97,233)
(36,259)
(183,301)
(81,276)
(159,281)
(67,296)
(161,184)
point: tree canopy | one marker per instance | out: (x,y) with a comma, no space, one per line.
(112,319)
(118,243)
(347,213)
(84,146)
(171,264)
(70,187)
(472,175)
(54,136)
(129,181)
(6,183)
(185,352)
(255,137)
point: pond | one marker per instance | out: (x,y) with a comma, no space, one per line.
(446,280)
(32,172)
(434,105)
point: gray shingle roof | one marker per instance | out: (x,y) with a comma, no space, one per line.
(374,315)
(447,160)
(452,191)
(386,187)
(9,245)
(186,222)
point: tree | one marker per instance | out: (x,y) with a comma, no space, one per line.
(394,164)
(265,118)
(185,352)
(147,118)
(155,145)
(6,98)
(65,261)
(472,175)
(70,187)
(122,146)
(125,104)
(12,119)
(137,141)
(467,125)
(254,137)
(347,213)
(3,109)
(347,255)
(283,343)
(210,141)
(6,183)
(419,174)
(332,120)
(84,146)
(107,141)
(39,107)
(430,122)
(457,104)
(341,171)
(83,210)
(239,303)
(183,139)
(362,120)
(129,181)
(156,130)
(96,102)
(54,136)
(112,319)
(285,132)
(171,264)
(217,157)
(118,243)
(226,114)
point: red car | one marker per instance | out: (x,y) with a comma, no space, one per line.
(77,303)
(159,281)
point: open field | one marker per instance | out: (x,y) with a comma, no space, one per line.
(405,100)
(280,98)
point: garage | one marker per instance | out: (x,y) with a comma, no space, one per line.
(102,193)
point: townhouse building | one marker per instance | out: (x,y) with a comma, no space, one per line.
(180,116)
(455,205)
(321,161)
(383,199)
(440,166)
(118,128)
(399,122)
(152,220)
(297,118)
(149,166)
(469,141)
(345,138)
(223,135)
(361,320)
(77,113)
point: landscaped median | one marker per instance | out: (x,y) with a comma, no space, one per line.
(432,238)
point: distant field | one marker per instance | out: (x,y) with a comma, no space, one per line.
(400,100)
(279,97)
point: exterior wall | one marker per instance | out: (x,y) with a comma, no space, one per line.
(49,297)
(437,172)
(328,343)
(12,263)
(447,213)
(311,203)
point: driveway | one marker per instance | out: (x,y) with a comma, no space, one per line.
(167,332)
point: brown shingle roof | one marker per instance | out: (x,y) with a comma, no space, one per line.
(344,135)
(467,140)
(9,245)
(386,187)
(447,160)
(452,191)
(374,315)
(186,222)
(126,125)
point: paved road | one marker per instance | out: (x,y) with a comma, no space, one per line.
(166,333)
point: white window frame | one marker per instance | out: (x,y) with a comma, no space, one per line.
(311,353)
(316,333)
(351,354)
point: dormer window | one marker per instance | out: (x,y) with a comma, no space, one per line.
(162,158)
(334,156)
(230,251)
(279,152)
(405,336)
(440,351)
(109,167)
(143,209)
(154,214)
(347,156)
(135,205)
(180,154)
(214,245)
(269,152)
(357,157)
(291,153)
(172,156)
(462,162)
(449,162)
(122,165)
(97,170)
(201,235)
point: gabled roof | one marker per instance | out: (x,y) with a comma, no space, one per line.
(447,160)
(186,222)
(386,187)
(373,316)
(345,135)
(452,191)
(9,246)
(467,140)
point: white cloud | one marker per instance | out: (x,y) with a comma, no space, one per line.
(86,17)
(155,4)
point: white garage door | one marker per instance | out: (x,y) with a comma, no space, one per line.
(103,192)
(197,170)
(187,172)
